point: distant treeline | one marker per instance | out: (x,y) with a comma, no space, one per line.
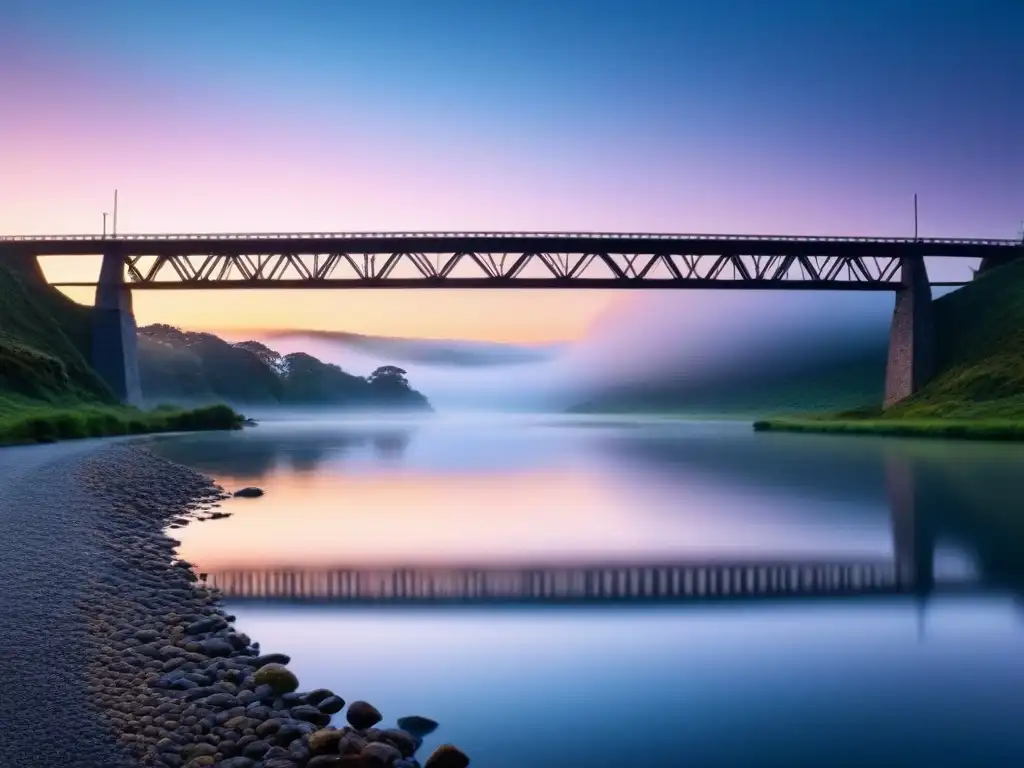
(184,366)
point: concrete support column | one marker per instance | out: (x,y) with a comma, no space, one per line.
(911,361)
(114,336)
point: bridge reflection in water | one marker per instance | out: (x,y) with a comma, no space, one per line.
(910,570)
(671,582)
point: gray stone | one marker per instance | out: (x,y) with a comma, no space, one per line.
(331,705)
(384,753)
(220,700)
(447,756)
(216,646)
(256,749)
(362,715)
(269,658)
(405,741)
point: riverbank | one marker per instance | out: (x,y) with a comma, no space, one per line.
(115,655)
(25,422)
(933,428)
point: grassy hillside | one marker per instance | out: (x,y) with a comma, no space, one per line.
(49,392)
(44,343)
(979,387)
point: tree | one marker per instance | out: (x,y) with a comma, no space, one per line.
(388,376)
(266,355)
(165,334)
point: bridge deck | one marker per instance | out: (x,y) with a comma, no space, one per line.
(508,259)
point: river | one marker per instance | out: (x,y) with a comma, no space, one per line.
(696,594)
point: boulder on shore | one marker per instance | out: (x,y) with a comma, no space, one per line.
(250,492)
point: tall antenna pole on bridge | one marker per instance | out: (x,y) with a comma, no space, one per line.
(915,216)
(115,213)
(104,224)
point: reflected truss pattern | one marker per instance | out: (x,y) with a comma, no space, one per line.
(681,581)
(511,270)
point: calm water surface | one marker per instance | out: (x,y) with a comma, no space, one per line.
(924,666)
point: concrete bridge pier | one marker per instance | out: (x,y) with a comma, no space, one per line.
(115,354)
(911,361)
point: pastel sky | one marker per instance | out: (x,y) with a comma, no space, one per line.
(745,116)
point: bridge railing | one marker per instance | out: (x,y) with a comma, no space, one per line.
(504,235)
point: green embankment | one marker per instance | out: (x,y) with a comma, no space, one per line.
(978,392)
(49,392)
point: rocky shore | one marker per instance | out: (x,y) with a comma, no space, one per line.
(176,684)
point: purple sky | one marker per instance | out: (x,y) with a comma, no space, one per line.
(735,116)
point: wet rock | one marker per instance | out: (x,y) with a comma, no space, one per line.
(325,741)
(264,692)
(269,658)
(277,676)
(404,741)
(317,695)
(220,700)
(362,715)
(250,492)
(417,726)
(447,756)
(351,744)
(209,624)
(269,727)
(217,646)
(237,762)
(201,749)
(290,730)
(381,752)
(310,714)
(256,749)
(329,761)
(331,705)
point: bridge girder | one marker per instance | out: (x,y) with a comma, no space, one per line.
(470,269)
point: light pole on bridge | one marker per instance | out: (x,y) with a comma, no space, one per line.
(915,216)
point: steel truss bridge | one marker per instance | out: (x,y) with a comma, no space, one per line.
(679,582)
(508,259)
